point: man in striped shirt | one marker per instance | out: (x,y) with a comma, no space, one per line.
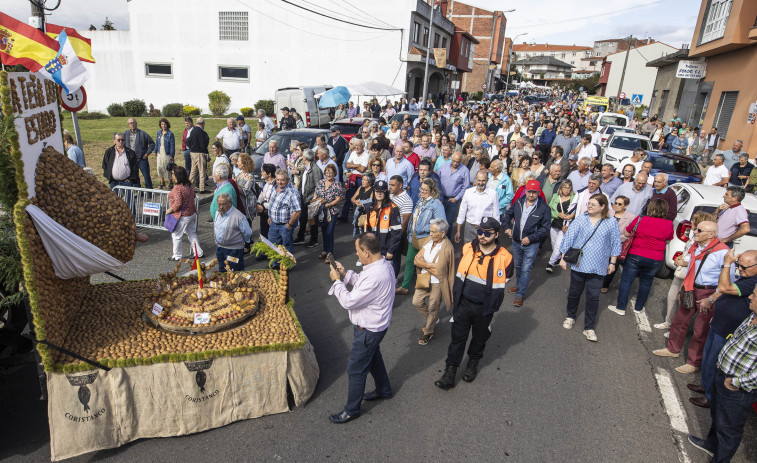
(735,390)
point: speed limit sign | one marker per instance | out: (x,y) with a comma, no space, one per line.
(73,101)
(483,86)
(622,95)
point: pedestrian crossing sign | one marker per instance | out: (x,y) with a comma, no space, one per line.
(636,99)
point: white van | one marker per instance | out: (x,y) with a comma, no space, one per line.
(303,100)
(604,119)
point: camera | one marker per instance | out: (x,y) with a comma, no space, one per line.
(170,166)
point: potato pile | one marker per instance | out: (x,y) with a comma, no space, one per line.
(109,326)
(79,202)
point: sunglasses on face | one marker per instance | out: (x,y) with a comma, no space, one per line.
(485,233)
(699,230)
(619,204)
(742,268)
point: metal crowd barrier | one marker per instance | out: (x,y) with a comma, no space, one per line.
(148,206)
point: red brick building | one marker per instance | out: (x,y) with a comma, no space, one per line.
(488,27)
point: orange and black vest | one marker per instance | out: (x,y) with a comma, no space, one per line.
(481,278)
(387,225)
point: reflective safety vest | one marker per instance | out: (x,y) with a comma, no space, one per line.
(387,225)
(486,273)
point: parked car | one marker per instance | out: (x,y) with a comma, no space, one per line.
(349,126)
(284,139)
(606,131)
(604,119)
(679,168)
(693,198)
(401,116)
(304,101)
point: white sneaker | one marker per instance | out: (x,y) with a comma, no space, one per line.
(590,335)
(667,334)
(568,323)
(549,269)
(359,264)
(616,310)
(662,326)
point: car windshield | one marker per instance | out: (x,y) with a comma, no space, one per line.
(598,108)
(348,129)
(284,141)
(681,166)
(628,143)
(612,120)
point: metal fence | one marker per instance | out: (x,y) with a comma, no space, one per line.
(148,206)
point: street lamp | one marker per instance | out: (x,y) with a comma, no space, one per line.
(509,57)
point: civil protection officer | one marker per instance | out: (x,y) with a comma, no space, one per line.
(478,292)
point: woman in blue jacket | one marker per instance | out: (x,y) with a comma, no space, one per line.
(165,145)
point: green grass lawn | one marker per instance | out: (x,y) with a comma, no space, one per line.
(97,136)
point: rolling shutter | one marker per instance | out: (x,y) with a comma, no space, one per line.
(724,113)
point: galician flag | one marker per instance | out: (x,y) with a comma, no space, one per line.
(65,69)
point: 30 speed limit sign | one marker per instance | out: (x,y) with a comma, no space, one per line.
(73,101)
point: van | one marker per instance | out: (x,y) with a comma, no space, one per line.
(599,104)
(303,101)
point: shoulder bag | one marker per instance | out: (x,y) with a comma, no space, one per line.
(629,241)
(423,280)
(687,297)
(573,255)
(171,221)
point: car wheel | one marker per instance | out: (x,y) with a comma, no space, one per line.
(664,272)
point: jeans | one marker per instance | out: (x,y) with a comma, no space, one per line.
(303,221)
(144,167)
(450,211)
(187,161)
(365,357)
(593,284)
(729,411)
(264,227)
(468,317)
(222,253)
(328,235)
(280,234)
(409,267)
(712,347)
(646,269)
(524,257)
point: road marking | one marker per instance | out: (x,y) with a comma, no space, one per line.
(643,322)
(672,404)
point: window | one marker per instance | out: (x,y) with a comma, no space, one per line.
(717,18)
(425,35)
(724,112)
(233,25)
(416,32)
(663,104)
(562,55)
(444,42)
(159,69)
(235,73)
(436,40)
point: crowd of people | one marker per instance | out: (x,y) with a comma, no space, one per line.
(440,192)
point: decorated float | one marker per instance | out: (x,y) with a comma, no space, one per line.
(138,359)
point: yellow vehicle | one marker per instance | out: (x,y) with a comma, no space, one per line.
(599,104)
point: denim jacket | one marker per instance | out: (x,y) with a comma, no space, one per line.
(432,209)
(170,142)
(144,144)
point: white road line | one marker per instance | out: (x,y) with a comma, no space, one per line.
(683,455)
(672,404)
(643,322)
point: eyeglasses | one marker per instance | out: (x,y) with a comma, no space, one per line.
(376,165)
(619,204)
(485,233)
(742,268)
(119,139)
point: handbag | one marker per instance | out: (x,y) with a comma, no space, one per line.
(687,296)
(629,241)
(171,222)
(423,280)
(573,255)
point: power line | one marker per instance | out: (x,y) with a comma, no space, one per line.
(598,15)
(365,13)
(319,22)
(327,9)
(340,20)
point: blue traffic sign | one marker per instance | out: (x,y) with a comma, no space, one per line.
(637,98)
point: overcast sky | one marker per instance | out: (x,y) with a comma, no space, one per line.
(564,22)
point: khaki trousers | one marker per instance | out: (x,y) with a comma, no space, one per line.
(198,169)
(430,311)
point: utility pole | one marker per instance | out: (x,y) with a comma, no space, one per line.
(625,63)
(428,53)
(37,19)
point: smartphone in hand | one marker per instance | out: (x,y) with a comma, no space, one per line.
(332,262)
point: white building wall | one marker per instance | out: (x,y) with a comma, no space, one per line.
(639,78)
(287,47)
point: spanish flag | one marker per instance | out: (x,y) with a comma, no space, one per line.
(22,44)
(82,45)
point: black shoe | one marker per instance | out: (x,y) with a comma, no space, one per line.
(447,381)
(209,221)
(299,241)
(312,244)
(549,269)
(471,371)
(373,395)
(701,444)
(342,417)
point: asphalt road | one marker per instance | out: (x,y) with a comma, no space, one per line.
(543,394)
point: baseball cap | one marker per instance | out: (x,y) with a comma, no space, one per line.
(533,185)
(381,185)
(240,118)
(334,129)
(489,223)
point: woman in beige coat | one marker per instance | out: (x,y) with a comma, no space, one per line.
(437,259)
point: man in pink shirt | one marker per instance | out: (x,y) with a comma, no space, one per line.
(370,311)
(425,150)
(733,219)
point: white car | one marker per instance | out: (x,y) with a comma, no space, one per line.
(693,198)
(618,119)
(620,146)
(606,132)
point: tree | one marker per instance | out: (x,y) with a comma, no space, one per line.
(588,83)
(108,26)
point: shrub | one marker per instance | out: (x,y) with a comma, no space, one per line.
(116,110)
(477,96)
(173,110)
(247,112)
(234,115)
(191,111)
(265,105)
(135,108)
(85,115)
(218,102)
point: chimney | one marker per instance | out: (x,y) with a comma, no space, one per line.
(443,5)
